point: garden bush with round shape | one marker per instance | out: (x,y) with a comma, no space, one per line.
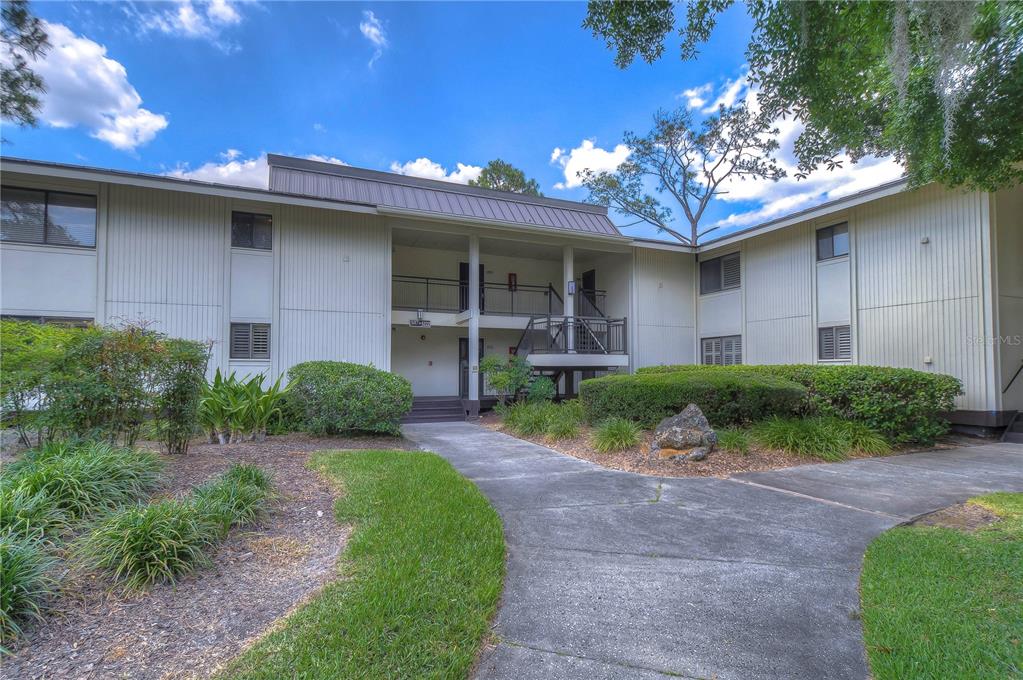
(615,434)
(541,389)
(333,397)
(25,583)
(146,544)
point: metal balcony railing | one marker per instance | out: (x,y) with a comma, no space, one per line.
(451,295)
(573,335)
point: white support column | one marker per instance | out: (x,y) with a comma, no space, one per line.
(474,325)
(568,294)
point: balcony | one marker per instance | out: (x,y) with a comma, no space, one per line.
(413,293)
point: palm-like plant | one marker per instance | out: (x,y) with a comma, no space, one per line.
(232,408)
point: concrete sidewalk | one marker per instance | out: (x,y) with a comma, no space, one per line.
(619,575)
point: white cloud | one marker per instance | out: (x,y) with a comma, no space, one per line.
(587,156)
(193,20)
(727,94)
(319,127)
(233,169)
(86,88)
(373,30)
(696,97)
(427,169)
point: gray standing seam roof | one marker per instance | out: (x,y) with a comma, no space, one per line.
(344,183)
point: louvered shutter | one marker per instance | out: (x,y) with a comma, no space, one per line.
(826,344)
(843,342)
(241,341)
(730,274)
(260,341)
(834,342)
(712,350)
(731,350)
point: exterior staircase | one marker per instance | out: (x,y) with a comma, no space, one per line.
(1014,433)
(435,410)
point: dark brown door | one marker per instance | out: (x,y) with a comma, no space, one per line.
(463,286)
(463,368)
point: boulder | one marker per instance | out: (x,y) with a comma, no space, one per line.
(686,436)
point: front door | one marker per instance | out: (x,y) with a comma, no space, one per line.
(463,287)
(589,293)
(463,368)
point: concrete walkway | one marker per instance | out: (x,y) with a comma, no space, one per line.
(618,575)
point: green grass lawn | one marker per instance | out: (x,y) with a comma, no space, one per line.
(421,577)
(943,603)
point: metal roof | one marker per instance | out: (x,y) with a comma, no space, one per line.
(384,189)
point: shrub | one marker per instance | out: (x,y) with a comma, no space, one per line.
(335,397)
(902,404)
(615,434)
(83,479)
(249,474)
(506,375)
(726,398)
(182,375)
(541,389)
(819,437)
(228,502)
(24,583)
(528,419)
(145,544)
(733,440)
(29,514)
(230,408)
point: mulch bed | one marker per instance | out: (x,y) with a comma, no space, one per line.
(189,629)
(718,464)
(961,516)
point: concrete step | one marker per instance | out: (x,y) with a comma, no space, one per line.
(434,418)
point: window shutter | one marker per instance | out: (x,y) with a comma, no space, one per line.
(826,344)
(843,342)
(731,350)
(241,341)
(730,271)
(260,341)
(712,351)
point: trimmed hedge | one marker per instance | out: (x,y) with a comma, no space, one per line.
(726,398)
(902,404)
(330,397)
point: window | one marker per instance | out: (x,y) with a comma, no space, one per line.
(69,321)
(721,273)
(250,230)
(250,341)
(50,217)
(834,343)
(832,241)
(723,351)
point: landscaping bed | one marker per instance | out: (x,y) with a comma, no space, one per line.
(258,574)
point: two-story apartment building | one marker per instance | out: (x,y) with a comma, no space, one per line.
(422,277)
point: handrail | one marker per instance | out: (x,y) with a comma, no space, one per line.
(550,335)
(1015,375)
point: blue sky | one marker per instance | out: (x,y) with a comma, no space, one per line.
(433,89)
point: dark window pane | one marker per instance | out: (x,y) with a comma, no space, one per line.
(262,232)
(824,244)
(71,219)
(840,240)
(241,229)
(22,215)
(710,276)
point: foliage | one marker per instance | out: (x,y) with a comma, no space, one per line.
(938,85)
(506,375)
(506,177)
(29,355)
(144,544)
(249,474)
(229,502)
(83,479)
(563,424)
(24,583)
(691,163)
(541,389)
(23,39)
(725,397)
(421,577)
(29,514)
(615,434)
(230,409)
(733,440)
(943,603)
(902,404)
(529,418)
(819,437)
(335,397)
(183,376)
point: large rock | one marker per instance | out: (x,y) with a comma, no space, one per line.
(687,436)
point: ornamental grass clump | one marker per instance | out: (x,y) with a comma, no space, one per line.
(734,440)
(828,439)
(30,514)
(229,503)
(25,583)
(145,544)
(615,434)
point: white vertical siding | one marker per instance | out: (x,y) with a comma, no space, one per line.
(165,262)
(334,288)
(664,314)
(920,300)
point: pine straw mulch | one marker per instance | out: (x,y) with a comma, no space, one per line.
(189,629)
(719,463)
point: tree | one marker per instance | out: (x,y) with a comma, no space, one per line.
(690,163)
(937,85)
(23,38)
(506,177)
